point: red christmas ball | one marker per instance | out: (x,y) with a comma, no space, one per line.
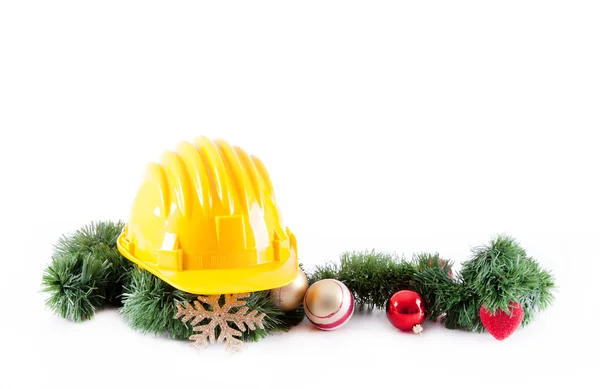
(406,311)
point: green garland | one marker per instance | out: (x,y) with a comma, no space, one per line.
(87,273)
(497,274)
(149,306)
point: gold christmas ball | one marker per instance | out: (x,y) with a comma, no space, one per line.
(328,304)
(289,297)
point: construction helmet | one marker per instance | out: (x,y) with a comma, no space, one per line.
(205,221)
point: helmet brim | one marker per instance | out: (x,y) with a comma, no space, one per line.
(265,276)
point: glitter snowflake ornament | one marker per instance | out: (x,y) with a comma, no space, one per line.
(220,316)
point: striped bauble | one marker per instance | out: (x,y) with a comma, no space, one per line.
(328,304)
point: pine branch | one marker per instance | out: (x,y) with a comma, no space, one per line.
(372,276)
(86,271)
(75,284)
(500,273)
(150,306)
(432,280)
(100,240)
(496,274)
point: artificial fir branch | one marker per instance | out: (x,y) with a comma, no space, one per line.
(75,284)
(372,276)
(150,306)
(86,272)
(501,272)
(431,278)
(497,274)
(100,240)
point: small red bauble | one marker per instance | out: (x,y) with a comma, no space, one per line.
(501,324)
(406,311)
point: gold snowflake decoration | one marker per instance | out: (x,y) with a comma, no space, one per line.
(219,317)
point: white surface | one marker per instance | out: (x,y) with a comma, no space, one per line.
(427,126)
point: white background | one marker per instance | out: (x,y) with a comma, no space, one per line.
(399,126)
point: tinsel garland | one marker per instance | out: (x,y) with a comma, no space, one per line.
(87,273)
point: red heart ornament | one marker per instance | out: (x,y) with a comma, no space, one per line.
(501,324)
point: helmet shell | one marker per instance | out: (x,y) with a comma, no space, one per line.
(205,220)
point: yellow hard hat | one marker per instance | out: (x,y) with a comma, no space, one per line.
(205,221)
